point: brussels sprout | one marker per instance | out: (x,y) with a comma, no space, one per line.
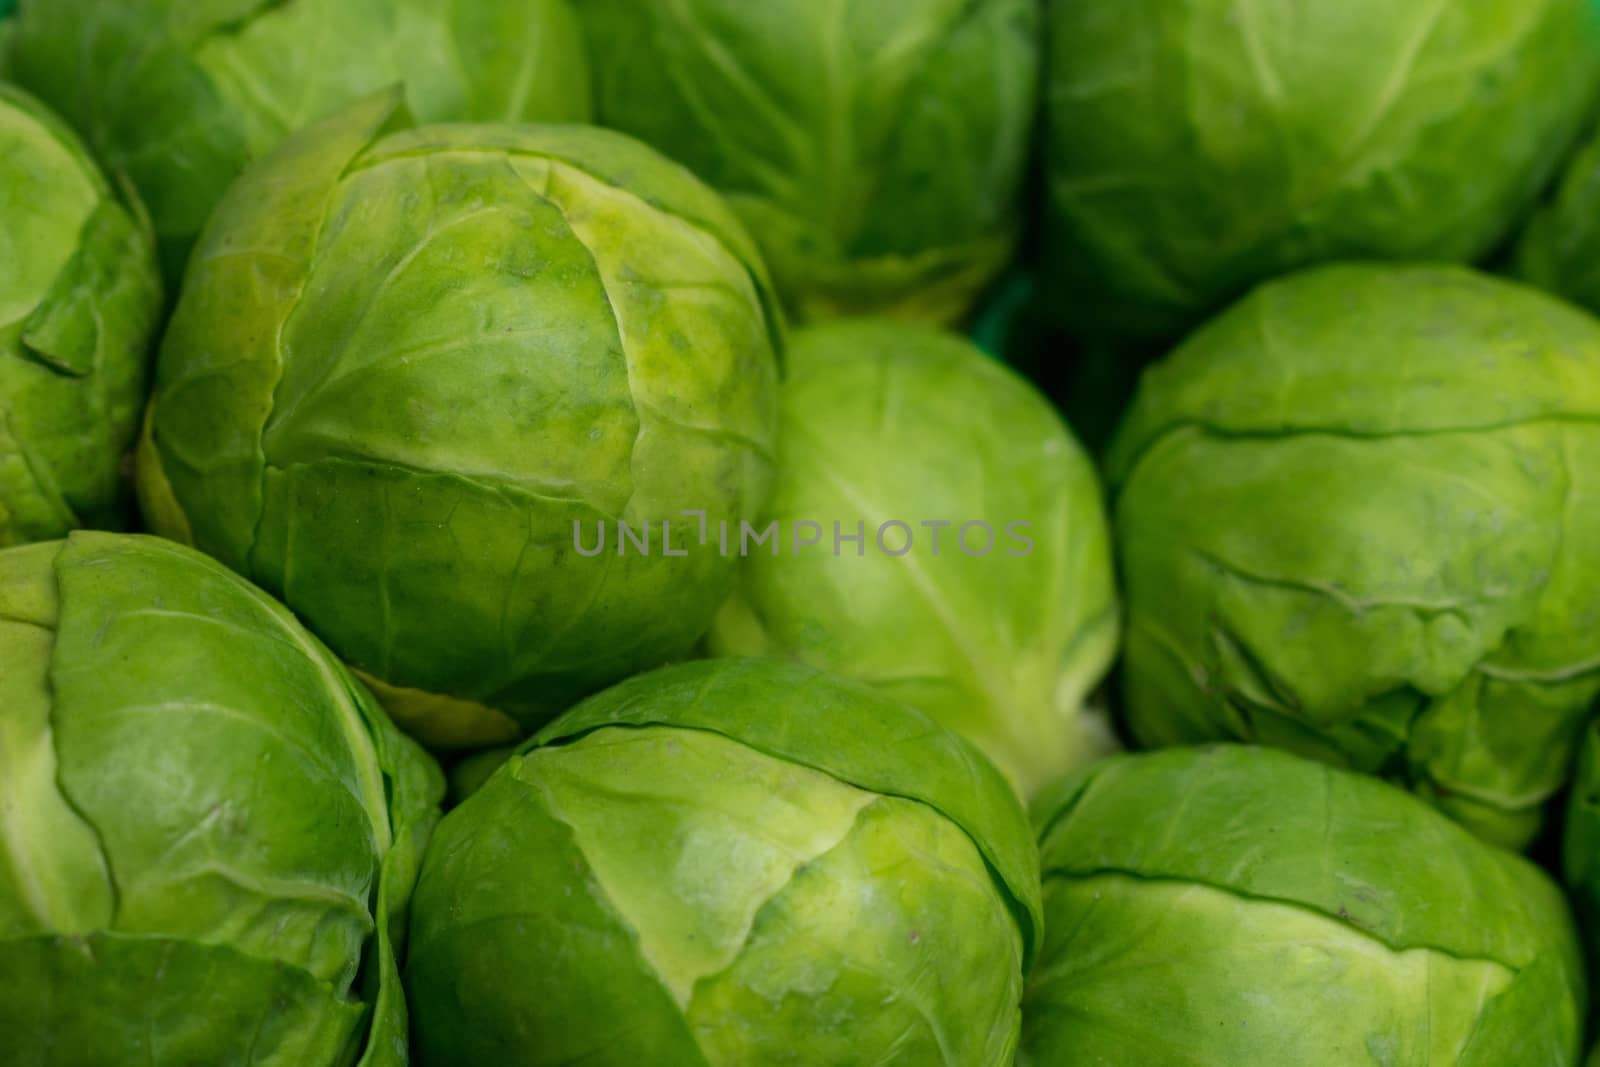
(875,149)
(981,591)
(1355,519)
(82,295)
(729,862)
(1229,905)
(210,832)
(1560,248)
(181,94)
(1581,842)
(1195,147)
(471,771)
(409,368)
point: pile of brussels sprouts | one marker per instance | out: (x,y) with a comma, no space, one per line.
(543,532)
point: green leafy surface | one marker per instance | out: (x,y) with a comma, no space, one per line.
(1196,147)
(876,150)
(210,831)
(417,403)
(805,716)
(180,95)
(1225,905)
(685,852)
(79,298)
(1354,520)
(881,423)
(1580,843)
(1557,250)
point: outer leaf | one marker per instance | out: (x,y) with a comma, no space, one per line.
(246,279)
(269,827)
(53,875)
(891,948)
(1368,351)
(1273,887)
(388,1038)
(108,998)
(799,714)
(512,939)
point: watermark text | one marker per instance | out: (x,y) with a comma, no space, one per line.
(894,538)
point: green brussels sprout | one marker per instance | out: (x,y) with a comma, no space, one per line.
(82,296)
(981,589)
(1354,519)
(181,95)
(876,150)
(1580,855)
(1559,250)
(729,862)
(468,774)
(1196,147)
(1226,906)
(209,833)
(410,367)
